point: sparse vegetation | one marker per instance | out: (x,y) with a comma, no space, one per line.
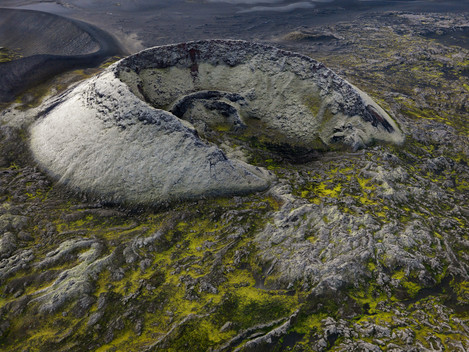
(389,223)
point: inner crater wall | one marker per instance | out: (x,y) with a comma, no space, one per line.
(293,95)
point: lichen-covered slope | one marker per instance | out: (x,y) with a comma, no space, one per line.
(122,150)
(347,251)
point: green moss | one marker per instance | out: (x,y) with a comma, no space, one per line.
(7,55)
(456,121)
(310,323)
(313,103)
(399,275)
(183,244)
(412,288)
(461,288)
(368,298)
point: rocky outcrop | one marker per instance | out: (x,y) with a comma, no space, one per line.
(77,281)
(131,134)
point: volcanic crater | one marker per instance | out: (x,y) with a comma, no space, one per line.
(171,122)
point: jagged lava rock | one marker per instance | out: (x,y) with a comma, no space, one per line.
(129,134)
